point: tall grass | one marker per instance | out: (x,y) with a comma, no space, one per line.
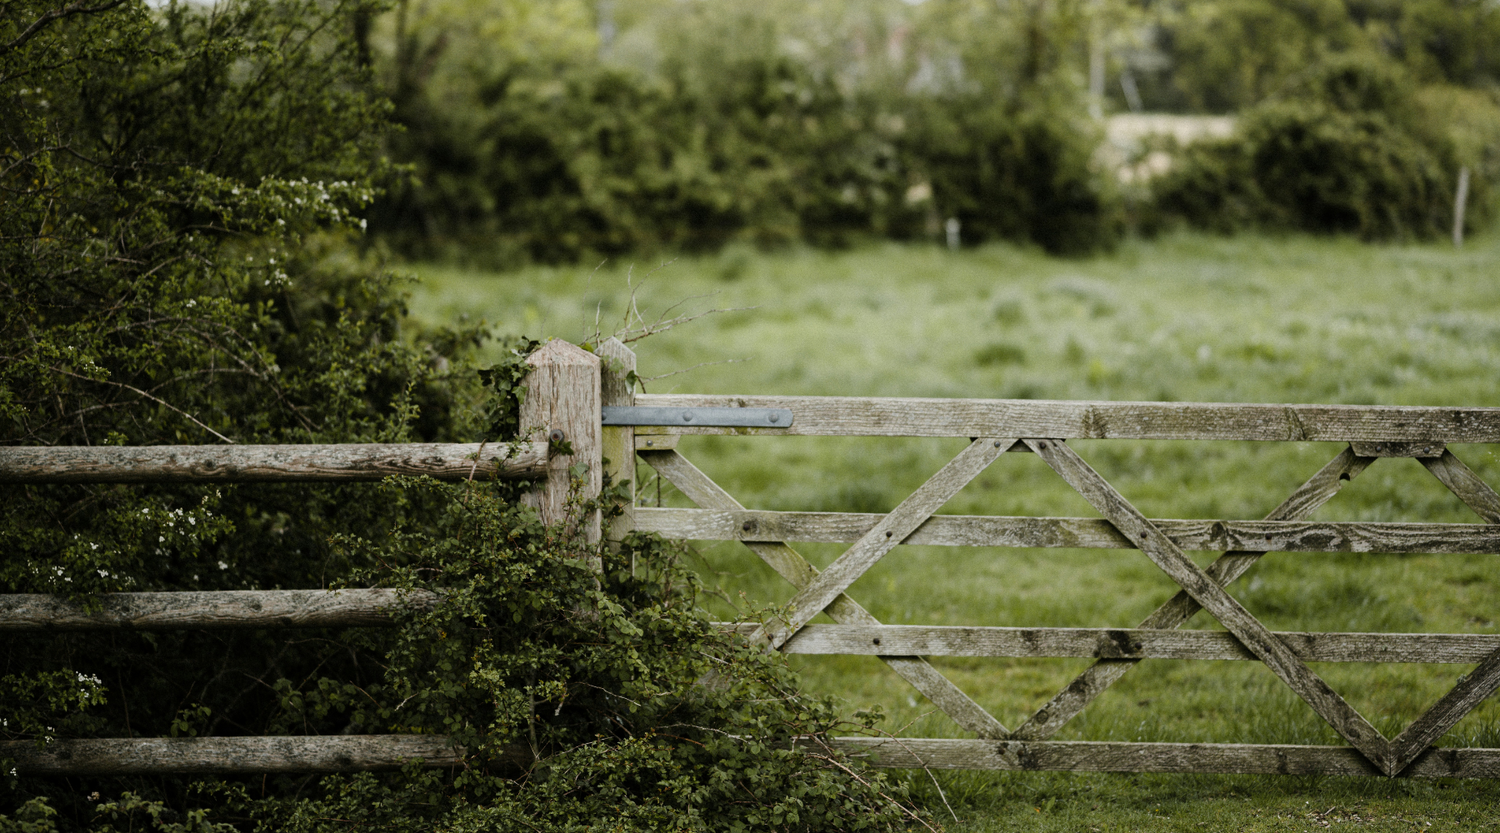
(1189,318)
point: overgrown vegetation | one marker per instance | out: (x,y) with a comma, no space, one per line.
(180,263)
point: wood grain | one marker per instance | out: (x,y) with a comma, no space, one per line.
(269,463)
(1463,482)
(211,610)
(1076,533)
(890,531)
(901,417)
(1093,756)
(790,565)
(562,395)
(1097,678)
(617,442)
(1474,688)
(226,756)
(1350,724)
(1127,643)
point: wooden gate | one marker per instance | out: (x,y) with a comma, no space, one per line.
(998,427)
(567,392)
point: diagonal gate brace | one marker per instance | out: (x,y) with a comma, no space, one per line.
(1175,613)
(1231,614)
(891,531)
(786,561)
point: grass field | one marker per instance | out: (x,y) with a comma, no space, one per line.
(1188,318)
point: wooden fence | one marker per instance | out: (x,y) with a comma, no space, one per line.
(573,396)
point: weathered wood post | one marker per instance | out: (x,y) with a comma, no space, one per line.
(618,389)
(562,406)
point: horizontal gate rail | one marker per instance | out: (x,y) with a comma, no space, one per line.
(1125,643)
(1103,756)
(1074,533)
(211,610)
(911,417)
(270,463)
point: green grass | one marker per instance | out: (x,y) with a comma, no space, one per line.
(1188,318)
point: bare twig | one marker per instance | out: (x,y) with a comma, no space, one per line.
(156,399)
(645,379)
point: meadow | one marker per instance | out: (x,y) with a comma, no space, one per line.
(1181,318)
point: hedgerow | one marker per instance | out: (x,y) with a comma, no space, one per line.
(181,263)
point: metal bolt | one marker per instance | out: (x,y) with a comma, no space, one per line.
(687,416)
(775,417)
(748,526)
(997,443)
(556,435)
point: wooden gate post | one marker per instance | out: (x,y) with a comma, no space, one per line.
(618,389)
(562,406)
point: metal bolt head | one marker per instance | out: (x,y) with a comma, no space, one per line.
(774,417)
(556,435)
(687,416)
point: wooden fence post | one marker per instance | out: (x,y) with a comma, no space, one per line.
(618,389)
(562,406)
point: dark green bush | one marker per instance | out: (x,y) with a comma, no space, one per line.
(725,134)
(1352,150)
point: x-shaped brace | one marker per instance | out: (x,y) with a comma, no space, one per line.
(1390,756)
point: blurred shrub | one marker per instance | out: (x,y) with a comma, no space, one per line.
(729,126)
(1356,148)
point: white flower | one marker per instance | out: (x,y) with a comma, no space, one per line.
(223,565)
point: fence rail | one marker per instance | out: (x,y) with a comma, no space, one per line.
(568,391)
(271,463)
(211,610)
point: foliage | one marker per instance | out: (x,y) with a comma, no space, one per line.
(704,124)
(584,701)
(1222,56)
(178,262)
(1350,150)
(182,190)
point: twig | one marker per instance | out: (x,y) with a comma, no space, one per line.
(155,399)
(645,379)
(852,774)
